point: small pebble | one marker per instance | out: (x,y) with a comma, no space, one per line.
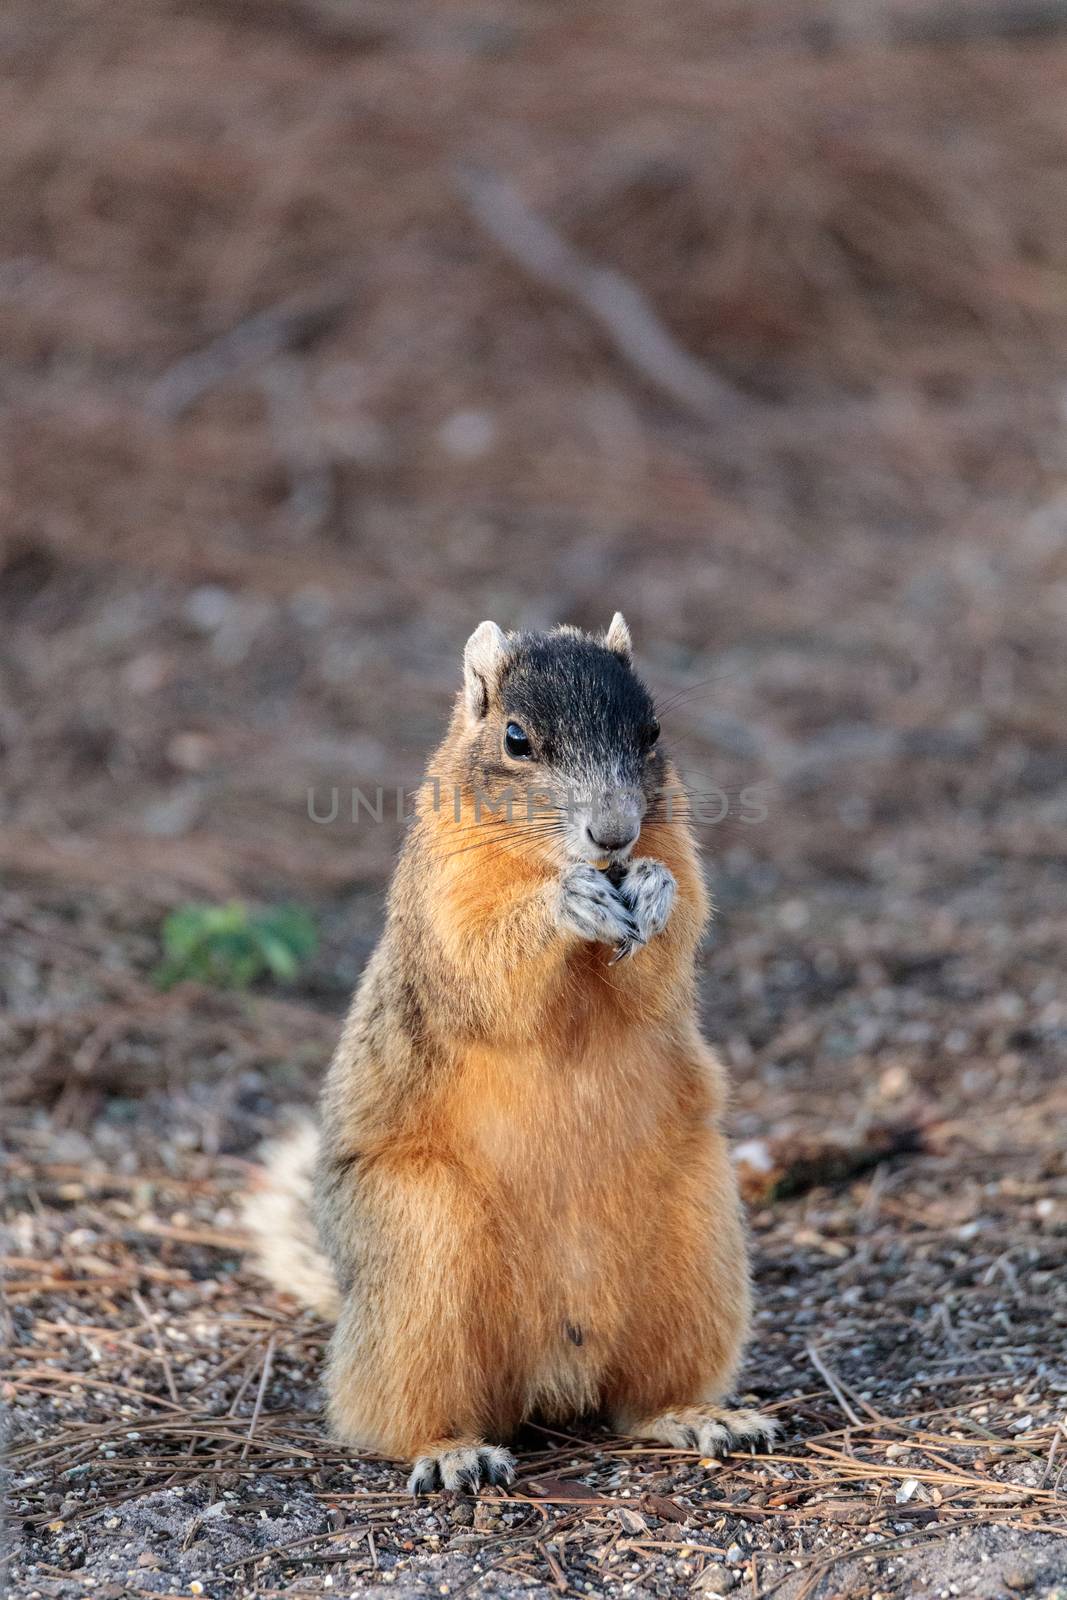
(715,1580)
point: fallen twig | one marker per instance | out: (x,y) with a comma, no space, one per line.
(610,299)
(289,325)
(841,1389)
(157,1339)
(780,1168)
(268,1362)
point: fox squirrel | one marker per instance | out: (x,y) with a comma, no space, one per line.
(519,1202)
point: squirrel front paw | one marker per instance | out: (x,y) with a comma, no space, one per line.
(648,890)
(592,908)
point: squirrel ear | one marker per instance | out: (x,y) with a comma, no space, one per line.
(483,656)
(618,638)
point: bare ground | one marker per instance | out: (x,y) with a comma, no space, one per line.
(225,584)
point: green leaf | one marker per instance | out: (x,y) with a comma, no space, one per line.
(231,947)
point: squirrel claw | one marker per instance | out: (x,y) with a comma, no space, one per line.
(464,1468)
(625,949)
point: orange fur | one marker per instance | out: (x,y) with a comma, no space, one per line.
(523,1184)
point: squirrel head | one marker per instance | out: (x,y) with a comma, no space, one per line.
(559,737)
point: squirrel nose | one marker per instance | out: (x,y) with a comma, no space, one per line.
(615,837)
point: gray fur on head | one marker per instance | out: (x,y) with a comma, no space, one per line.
(591,727)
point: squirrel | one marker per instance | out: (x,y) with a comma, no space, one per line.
(518,1203)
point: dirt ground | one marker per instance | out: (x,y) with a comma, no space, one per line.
(281,422)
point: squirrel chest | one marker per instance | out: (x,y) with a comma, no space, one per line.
(548,1134)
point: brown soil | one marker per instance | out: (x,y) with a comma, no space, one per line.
(228,582)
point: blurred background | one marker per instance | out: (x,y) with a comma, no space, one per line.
(325,332)
(330,327)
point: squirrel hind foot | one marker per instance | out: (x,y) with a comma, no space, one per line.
(712,1430)
(461,1464)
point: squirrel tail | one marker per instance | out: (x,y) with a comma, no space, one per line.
(278,1215)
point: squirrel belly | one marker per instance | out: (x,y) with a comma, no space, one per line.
(523,1205)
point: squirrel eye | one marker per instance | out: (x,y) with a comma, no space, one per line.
(652,733)
(516,743)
